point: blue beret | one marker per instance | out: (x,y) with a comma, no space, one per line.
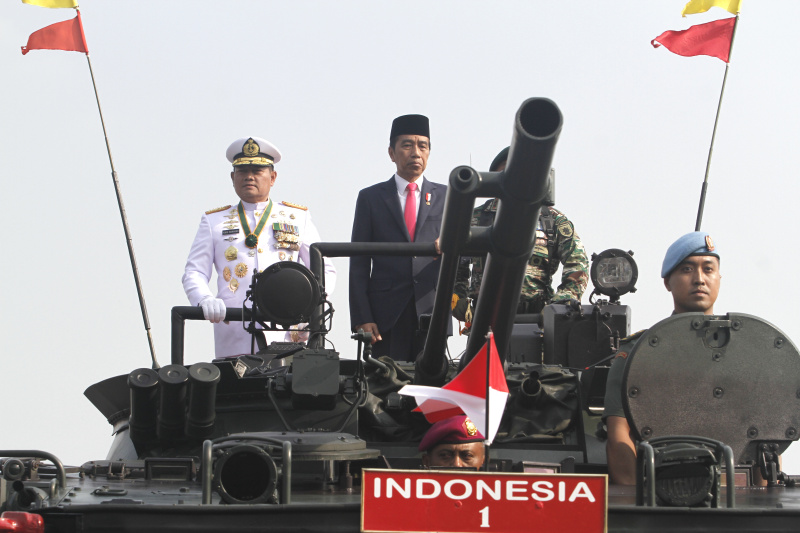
(694,243)
(453,430)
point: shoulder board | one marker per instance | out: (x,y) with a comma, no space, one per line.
(217,210)
(296,206)
(633,337)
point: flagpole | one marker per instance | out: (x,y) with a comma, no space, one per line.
(487,447)
(128,238)
(714,133)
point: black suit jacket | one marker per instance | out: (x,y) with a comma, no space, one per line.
(381,286)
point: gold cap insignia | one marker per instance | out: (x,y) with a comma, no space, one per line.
(470,427)
(250,148)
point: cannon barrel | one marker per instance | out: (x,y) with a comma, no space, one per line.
(522,189)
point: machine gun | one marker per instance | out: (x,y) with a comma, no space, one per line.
(521,188)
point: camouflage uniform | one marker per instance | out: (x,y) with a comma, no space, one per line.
(537,289)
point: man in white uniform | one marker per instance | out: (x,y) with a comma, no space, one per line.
(245,238)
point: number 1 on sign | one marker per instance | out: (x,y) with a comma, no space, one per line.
(484,516)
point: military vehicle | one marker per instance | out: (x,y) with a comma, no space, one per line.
(278,440)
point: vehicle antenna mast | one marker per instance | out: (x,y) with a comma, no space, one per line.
(714,133)
(128,238)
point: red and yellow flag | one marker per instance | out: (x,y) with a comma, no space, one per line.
(52,3)
(709,39)
(67,35)
(701,6)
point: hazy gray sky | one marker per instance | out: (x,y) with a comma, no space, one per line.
(180,80)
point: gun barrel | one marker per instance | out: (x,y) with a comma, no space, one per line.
(524,186)
(431,364)
(522,189)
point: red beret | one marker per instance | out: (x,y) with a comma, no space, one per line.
(454,430)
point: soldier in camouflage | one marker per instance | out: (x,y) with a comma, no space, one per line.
(556,242)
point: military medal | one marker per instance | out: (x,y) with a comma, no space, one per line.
(287,235)
(251,240)
(251,253)
(282,255)
(231,253)
(233,285)
(240,270)
(226,273)
(292,216)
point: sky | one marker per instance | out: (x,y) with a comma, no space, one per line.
(179,81)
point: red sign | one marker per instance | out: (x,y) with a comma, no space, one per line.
(466,502)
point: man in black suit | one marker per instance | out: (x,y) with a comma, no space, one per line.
(387,294)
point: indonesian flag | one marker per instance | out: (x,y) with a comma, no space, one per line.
(709,39)
(466,393)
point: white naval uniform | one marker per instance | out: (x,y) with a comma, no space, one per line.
(208,250)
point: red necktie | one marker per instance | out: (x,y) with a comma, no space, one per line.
(411,210)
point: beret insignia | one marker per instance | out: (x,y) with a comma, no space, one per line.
(472,430)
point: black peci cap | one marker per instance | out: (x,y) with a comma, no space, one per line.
(410,125)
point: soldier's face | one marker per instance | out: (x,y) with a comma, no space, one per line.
(466,455)
(694,284)
(252,183)
(410,155)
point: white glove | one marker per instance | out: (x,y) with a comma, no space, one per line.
(213,309)
(297,334)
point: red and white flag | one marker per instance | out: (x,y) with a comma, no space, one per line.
(466,393)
